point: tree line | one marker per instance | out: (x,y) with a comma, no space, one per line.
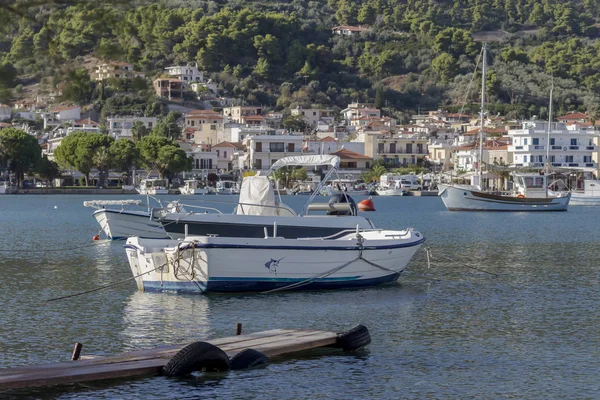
(283,54)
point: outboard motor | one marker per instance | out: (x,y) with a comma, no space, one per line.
(343,198)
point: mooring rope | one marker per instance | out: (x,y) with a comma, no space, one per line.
(332,271)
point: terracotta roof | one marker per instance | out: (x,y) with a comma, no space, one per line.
(485,130)
(207,116)
(59,109)
(5,124)
(4,106)
(225,144)
(168,79)
(253,118)
(203,112)
(85,122)
(349,154)
(576,115)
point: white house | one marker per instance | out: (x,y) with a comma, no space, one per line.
(263,150)
(188,73)
(60,115)
(312,116)
(120,127)
(226,152)
(569,146)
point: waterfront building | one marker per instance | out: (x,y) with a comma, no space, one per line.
(400,150)
(121,126)
(262,150)
(570,146)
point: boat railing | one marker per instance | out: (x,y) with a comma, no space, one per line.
(330,207)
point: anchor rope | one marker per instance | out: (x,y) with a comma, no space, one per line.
(325,274)
(106,286)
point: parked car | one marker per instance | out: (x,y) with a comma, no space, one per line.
(41,184)
(408,185)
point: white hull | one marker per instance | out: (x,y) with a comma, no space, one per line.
(583,200)
(390,192)
(191,192)
(153,192)
(215,264)
(458,198)
(118,224)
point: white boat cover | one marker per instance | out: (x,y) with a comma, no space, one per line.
(99,203)
(308,161)
(255,193)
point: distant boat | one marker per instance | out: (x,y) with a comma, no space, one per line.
(590,195)
(532,189)
(153,187)
(227,187)
(193,187)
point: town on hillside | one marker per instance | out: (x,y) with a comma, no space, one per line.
(239,138)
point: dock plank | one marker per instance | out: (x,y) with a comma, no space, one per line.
(150,361)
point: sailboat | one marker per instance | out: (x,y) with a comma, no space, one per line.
(531,188)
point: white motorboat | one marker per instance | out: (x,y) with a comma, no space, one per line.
(390,191)
(590,195)
(153,187)
(126,218)
(257,208)
(227,187)
(197,264)
(194,187)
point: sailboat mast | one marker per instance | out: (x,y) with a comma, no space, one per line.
(481,115)
(547,169)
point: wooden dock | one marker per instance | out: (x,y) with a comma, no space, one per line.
(150,361)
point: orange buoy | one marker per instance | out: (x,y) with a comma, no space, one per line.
(520,196)
(366,205)
(96,237)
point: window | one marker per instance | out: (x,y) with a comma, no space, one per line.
(192,123)
(258,164)
(552,159)
(149,124)
(276,147)
(540,159)
(392,148)
(379,147)
(535,141)
(420,148)
(225,154)
(314,113)
(258,147)
(525,142)
(524,158)
(569,159)
(290,147)
(206,163)
(213,127)
(552,141)
(587,159)
(409,148)
(573,142)
(368,165)
(348,164)
(218,153)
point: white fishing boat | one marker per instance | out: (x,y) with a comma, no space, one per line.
(197,264)
(227,187)
(194,187)
(532,188)
(125,218)
(257,207)
(153,187)
(590,196)
(390,191)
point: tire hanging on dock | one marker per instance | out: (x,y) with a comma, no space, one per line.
(248,358)
(354,338)
(197,356)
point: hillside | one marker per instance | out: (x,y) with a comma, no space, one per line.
(414,55)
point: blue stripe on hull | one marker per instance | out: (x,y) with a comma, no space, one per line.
(233,285)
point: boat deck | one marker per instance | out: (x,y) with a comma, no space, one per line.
(150,361)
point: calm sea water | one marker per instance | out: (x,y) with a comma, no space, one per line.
(507,308)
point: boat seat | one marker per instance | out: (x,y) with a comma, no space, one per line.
(329,207)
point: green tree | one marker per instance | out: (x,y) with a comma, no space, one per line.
(79,87)
(19,151)
(138,130)
(149,148)
(77,151)
(446,66)
(124,155)
(168,127)
(46,169)
(172,160)
(294,123)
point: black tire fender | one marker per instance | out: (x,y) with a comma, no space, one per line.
(248,358)
(197,356)
(355,338)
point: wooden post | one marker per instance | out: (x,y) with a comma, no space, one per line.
(76,351)
(238,329)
